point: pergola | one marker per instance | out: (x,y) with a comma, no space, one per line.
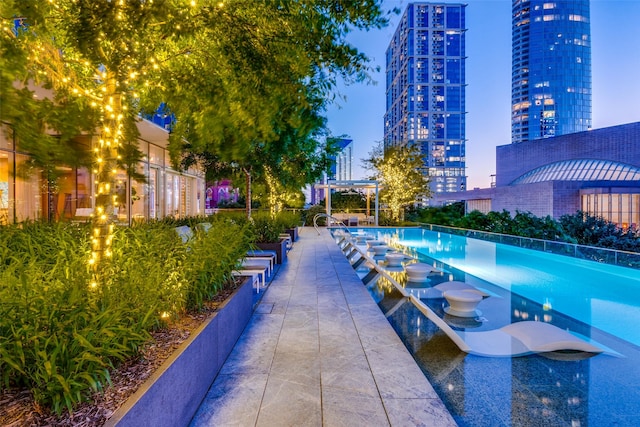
(357,184)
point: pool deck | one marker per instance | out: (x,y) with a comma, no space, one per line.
(319,352)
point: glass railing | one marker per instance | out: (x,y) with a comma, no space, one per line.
(591,253)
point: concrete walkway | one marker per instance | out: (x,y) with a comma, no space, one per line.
(319,352)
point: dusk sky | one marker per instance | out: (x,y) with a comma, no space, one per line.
(615,56)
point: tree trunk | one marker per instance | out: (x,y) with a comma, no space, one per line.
(106,156)
(247,174)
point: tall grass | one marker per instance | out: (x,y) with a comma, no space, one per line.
(60,336)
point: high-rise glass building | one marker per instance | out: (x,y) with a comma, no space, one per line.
(551,68)
(341,169)
(425,90)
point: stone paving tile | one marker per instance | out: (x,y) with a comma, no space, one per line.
(349,372)
(235,398)
(318,352)
(290,403)
(348,408)
(418,412)
(397,374)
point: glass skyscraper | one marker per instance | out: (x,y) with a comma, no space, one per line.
(551,68)
(425,90)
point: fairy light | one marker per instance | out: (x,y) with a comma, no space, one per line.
(68,72)
(106,156)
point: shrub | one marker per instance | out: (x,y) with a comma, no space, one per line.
(60,335)
(266,229)
(57,337)
(310,213)
(288,219)
(145,275)
(213,255)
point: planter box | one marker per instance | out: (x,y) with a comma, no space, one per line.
(280,249)
(173,394)
(293,232)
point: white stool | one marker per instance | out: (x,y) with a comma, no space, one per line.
(462,303)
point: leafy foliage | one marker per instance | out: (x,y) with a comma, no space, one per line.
(288,219)
(60,336)
(310,213)
(400,171)
(247,81)
(213,254)
(343,201)
(443,215)
(594,231)
(580,228)
(266,229)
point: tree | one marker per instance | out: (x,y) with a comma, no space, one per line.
(234,74)
(596,231)
(347,201)
(286,57)
(399,170)
(442,215)
(95,56)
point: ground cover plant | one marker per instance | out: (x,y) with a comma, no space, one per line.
(60,335)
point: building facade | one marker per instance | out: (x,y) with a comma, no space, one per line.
(425,90)
(166,192)
(596,171)
(340,169)
(551,69)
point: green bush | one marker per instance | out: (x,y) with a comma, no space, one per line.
(310,213)
(288,219)
(266,229)
(145,275)
(213,255)
(236,217)
(57,337)
(60,334)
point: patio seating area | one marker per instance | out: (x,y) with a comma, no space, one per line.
(353,219)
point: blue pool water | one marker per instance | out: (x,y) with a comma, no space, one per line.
(574,389)
(600,295)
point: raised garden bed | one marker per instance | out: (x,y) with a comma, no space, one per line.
(172,395)
(279,247)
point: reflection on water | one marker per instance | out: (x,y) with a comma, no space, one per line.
(552,389)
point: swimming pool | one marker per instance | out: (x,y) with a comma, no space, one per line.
(546,389)
(601,295)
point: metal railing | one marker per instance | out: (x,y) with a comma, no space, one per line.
(591,253)
(336,222)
